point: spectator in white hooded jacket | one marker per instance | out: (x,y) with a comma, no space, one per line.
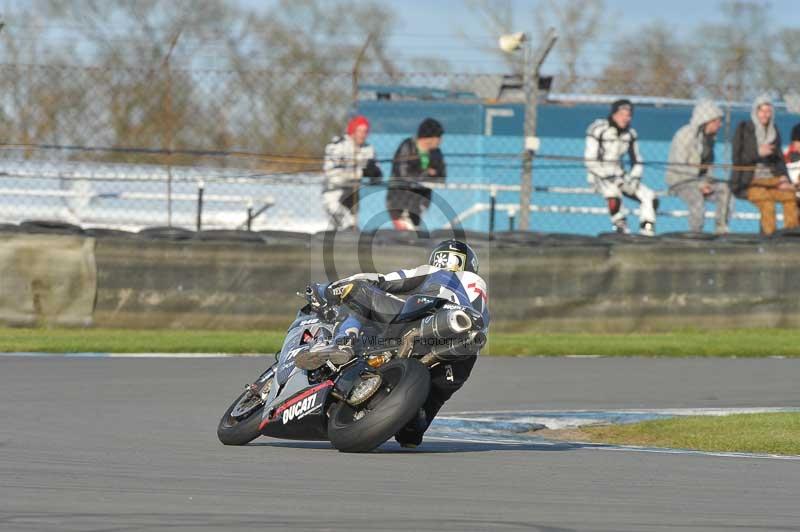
(608,141)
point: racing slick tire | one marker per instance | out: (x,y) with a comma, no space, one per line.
(242,428)
(405,387)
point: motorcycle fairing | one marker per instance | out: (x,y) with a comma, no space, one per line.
(300,417)
(296,340)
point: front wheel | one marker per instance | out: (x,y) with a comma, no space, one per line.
(239,425)
(404,389)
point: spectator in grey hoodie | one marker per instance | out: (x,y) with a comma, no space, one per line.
(691,157)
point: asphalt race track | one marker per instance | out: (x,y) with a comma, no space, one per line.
(101,444)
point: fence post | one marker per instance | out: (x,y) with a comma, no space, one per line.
(492,209)
(512,213)
(532,66)
(200,190)
(357,69)
(168,132)
(355,74)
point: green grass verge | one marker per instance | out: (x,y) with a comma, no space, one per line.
(135,341)
(773,433)
(691,343)
(740,343)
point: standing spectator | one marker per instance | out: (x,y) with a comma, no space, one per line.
(691,157)
(608,140)
(416,160)
(759,172)
(348,158)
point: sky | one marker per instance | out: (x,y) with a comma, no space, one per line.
(441,25)
(450,30)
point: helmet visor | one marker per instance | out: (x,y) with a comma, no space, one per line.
(449,260)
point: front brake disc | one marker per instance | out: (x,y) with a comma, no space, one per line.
(364,389)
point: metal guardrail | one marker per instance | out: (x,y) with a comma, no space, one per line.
(512,209)
(106,194)
(97,194)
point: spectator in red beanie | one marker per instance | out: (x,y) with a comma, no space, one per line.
(348,159)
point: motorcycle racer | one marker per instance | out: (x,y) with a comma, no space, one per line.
(451,273)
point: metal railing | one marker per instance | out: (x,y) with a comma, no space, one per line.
(86,146)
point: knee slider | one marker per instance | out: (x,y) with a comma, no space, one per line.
(614,205)
(656,203)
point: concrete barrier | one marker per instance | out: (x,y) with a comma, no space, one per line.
(536,282)
(47,279)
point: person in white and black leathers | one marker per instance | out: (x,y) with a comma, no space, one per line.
(348,158)
(608,141)
(451,273)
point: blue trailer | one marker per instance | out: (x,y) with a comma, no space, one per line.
(483,142)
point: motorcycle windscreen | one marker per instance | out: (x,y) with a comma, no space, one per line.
(291,347)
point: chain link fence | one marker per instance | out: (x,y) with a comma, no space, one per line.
(225,149)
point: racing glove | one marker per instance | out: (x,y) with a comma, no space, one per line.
(336,293)
(373,172)
(315,295)
(633,183)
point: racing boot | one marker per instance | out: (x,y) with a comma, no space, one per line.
(410,436)
(647,229)
(620,226)
(339,351)
(321,353)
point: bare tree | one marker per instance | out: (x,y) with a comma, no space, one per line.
(579,23)
(139,98)
(280,83)
(301,89)
(781,68)
(498,17)
(654,65)
(39,104)
(734,55)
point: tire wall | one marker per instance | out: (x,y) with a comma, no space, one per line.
(587,285)
(47,280)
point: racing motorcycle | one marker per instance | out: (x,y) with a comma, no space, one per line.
(362,403)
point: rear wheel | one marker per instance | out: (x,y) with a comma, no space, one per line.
(239,425)
(405,384)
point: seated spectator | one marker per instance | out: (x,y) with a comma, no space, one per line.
(348,158)
(759,173)
(792,159)
(691,157)
(416,160)
(608,141)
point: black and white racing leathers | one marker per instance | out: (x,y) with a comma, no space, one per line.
(606,146)
(378,298)
(345,164)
